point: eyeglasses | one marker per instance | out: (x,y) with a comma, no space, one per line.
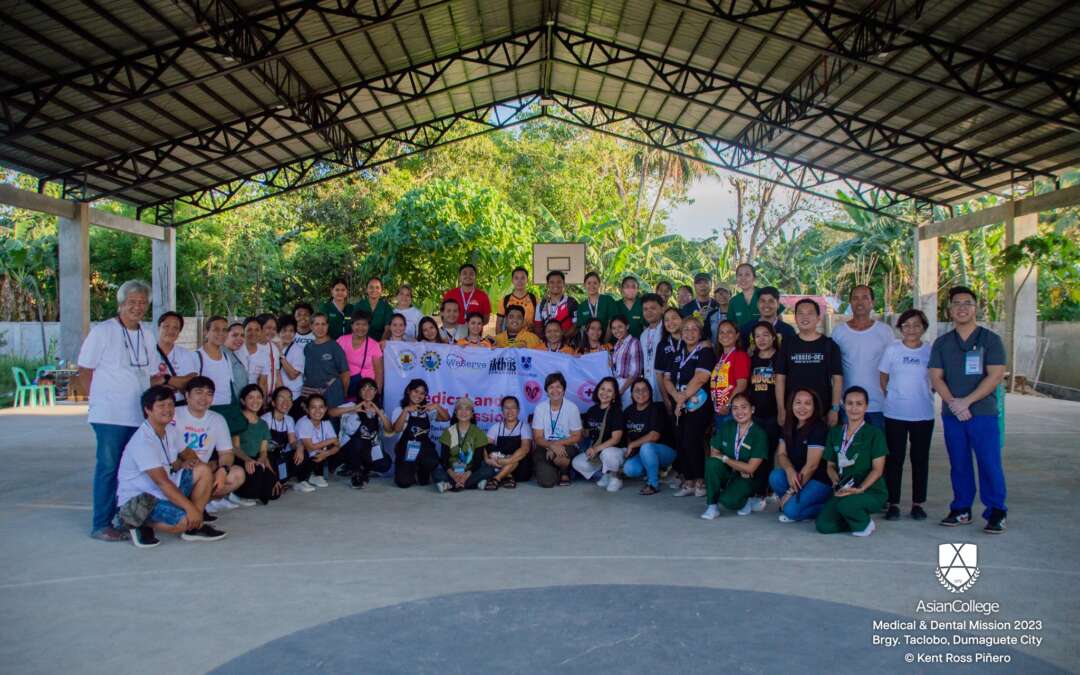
(964,304)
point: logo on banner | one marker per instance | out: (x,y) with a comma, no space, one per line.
(957,568)
(430,361)
(407,360)
(459,361)
(585,391)
(526,362)
(532,391)
(502,364)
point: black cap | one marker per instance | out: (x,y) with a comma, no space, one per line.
(702,276)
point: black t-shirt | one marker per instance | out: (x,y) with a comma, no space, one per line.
(637,423)
(797,448)
(593,419)
(665,352)
(688,361)
(762,387)
(811,365)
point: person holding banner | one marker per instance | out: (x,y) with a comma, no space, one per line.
(554,338)
(515,333)
(475,335)
(463,451)
(592,338)
(601,452)
(415,456)
(428,331)
(685,382)
(556,434)
(649,447)
(396,331)
(511,441)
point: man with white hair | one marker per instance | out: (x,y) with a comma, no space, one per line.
(114,367)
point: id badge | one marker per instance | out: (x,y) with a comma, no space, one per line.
(973,362)
(459,468)
(282,471)
(412,451)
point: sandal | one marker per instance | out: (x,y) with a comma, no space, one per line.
(648,490)
(564,480)
(508,483)
(491,485)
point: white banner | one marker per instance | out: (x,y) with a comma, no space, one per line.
(487,375)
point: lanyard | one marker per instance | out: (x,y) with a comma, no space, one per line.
(682,363)
(547,313)
(739,439)
(466,301)
(845,441)
(319,434)
(593,309)
(163,442)
(134,348)
(502,426)
(363,357)
(650,345)
(674,346)
(554,422)
(274,421)
(554,350)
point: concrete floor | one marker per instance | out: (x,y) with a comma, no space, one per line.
(354,570)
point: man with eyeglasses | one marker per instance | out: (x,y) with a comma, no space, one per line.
(114,368)
(966,365)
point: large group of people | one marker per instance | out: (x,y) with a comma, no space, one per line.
(713,395)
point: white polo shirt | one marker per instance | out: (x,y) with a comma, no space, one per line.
(121,360)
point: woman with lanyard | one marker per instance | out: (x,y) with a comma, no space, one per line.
(856,455)
(592,338)
(601,451)
(732,371)
(626,357)
(686,383)
(475,336)
(511,441)
(596,305)
(670,345)
(361,434)
(428,331)
(286,452)
(554,340)
(415,456)
(362,353)
(337,309)
(649,447)
(463,450)
(175,364)
(736,452)
(762,391)
(800,476)
(556,433)
(320,443)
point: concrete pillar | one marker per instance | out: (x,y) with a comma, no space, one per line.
(163,274)
(74,249)
(925,295)
(1020,334)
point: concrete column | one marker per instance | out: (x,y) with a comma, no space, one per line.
(74,249)
(1020,334)
(925,296)
(163,273)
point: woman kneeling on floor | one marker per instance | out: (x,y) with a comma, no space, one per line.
(511,441)
(320,445)
(856,455)
(254,444)
(737,450)
(362,431)
(464,449)
(801,478)
(415,455)
(601,454)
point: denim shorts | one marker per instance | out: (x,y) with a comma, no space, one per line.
(168,513)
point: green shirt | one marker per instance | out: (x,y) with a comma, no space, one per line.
(340,323)
(468,448)
(637,322)
(754,446)
(741,311)
(605,309)
(868,445)
(380,316)
(251,439)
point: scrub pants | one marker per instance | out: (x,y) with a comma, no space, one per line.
(610,460)
(725,486)
(651,458)
(807,502)
(691,436)
(897,433)
(111,439)
(761,476)
(979,435)
(849,514)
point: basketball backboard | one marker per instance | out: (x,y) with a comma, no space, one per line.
(568,258)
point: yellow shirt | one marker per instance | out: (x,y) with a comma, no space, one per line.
(524,339)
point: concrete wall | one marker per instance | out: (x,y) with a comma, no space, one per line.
(23,338)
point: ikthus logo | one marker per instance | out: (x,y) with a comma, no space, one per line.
(958,566)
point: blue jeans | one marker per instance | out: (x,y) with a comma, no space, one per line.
(111,439)
(649,460)
(876,419)
(979,435)
(168,513)
(805,504)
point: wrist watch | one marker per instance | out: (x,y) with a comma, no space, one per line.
(835,407)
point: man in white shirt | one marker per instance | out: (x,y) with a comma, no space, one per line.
(115,369)
(292,357)
(254,354)
(156,488)
(204,435)
(652,311)
(302,313)
(862,342)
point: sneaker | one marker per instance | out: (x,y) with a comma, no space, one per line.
(356,482)
(772,499)
(684,491)
(603,480)
(318,481)
(108,534)
(219,505)
(143,537)
(700,491)
(784,519)
(893,513)
(481,485)
(676,481)
(712,512)
(956,518)
(204,533)
(917,513)
(747,508)
(995,524)
(867,532)
(208,517)
(240,501)
(442,487)
(757,504)
(343,470)
(304,486)
(615,484)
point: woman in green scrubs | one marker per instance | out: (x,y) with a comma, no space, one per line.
(735,453)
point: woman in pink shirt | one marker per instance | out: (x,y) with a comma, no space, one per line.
(362,353)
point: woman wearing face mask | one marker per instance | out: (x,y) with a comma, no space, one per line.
(736,452)
(800,478)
